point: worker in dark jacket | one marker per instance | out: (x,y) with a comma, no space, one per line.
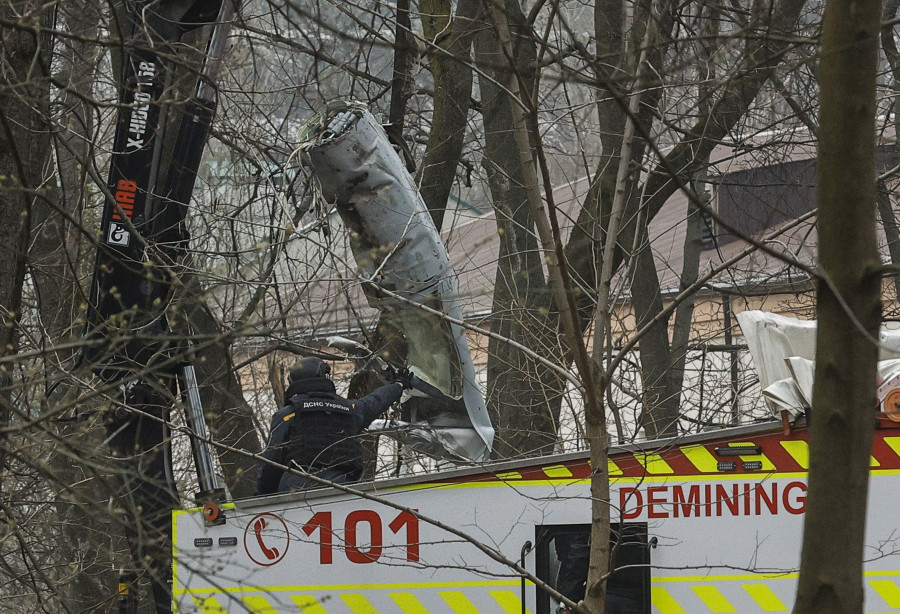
(316,429)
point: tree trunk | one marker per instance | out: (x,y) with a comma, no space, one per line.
(228,414)
(402,81)
(849,301)
(449,62)
(518,400)
(82,477)
(24,146)
(681,323)
(660,400)
(885,201)
(599,565)
(696,213)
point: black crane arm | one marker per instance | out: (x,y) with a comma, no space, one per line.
(142,243)
(143,233)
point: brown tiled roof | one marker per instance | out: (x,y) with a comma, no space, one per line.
(473,244)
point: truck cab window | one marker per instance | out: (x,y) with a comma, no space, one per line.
(562,556)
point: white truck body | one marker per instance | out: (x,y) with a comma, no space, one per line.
(713,537)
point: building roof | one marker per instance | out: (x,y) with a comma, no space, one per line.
(761,191)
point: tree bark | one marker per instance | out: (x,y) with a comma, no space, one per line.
(449,56)
(24,146)
(228,414)
(849,303)
(402,82)
(81,476)
(885,200)
(521,410)
(660,399)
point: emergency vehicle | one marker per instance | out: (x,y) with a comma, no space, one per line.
(710,522)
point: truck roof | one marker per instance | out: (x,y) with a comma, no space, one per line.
(564,459)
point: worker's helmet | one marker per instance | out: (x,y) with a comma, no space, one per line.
(309,368)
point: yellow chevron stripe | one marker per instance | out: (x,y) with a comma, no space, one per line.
(509,475)
(654,463)
(713,598)
(894,443)
(799,451)
(509,601)
(765,598)
(358,604)
(701,458)
(663,601)
(887,590)
(557,471)
(458,602)
(613,468)
(208,605)
(259,605)
(308,604)
(408,603)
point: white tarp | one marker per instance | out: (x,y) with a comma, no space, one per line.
(784,350)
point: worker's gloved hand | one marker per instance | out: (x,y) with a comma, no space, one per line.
(404,377)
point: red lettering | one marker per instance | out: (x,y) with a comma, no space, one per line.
(625,497)
(653,500)
(354,554)
(770,501)
(411,522)
(125,198)
(713,500)
(125,194)
(355,551)
(730,501)
(322,522)
(796,505)
(687,507)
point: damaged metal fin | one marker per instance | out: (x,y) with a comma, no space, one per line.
(398,248)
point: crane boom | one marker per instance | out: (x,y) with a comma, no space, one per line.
(141,246)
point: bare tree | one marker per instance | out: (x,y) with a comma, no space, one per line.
(507,104)
(848,309)
(24,135)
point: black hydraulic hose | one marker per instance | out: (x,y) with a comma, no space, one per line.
(169,231)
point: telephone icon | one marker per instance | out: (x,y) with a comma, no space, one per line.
(266,539)
(258,526)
